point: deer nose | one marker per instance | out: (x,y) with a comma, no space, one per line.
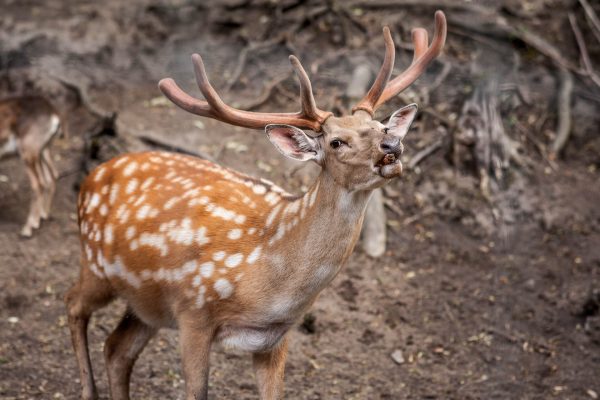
(391,145)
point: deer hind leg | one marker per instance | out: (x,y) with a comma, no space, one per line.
(122,349)
(50,176)
(85,296)
(36,204)
(269,368)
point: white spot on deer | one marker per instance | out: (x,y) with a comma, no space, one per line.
(108,234)
(88,252)
(251,231)
(171,202)
(130,232)
(123,213)
(100,174)
(272,215)
(133,245)
(103,210)
(143,212)
(83,228)
(239,276)
(197,281)
(239,219)
(234,260)
(223,213)
(120,162)
(104,189)
(145,166)
(130,168)
(94,202)
(131,186)
(252,257)
(114,192)
(259,189)
(118,269)
(234,234)
(201,237)
(206,269)
(139,200)
(98,236)
(191,193)
(156,159)
(204,200)
(223,288)
(272,198)
(200,298)
(219,255)
(156,241)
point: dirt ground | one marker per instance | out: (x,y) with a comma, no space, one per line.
(478,307)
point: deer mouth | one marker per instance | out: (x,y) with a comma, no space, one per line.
(389,166)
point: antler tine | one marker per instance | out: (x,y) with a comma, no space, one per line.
(309,107)
(420,42)
(419,64)
(368,102)
(309,118)
(210,94)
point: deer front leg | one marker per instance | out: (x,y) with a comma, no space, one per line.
(269,369)
(86,296)
(195,342)
(122,349)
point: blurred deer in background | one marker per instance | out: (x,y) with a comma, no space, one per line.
(222,256)
(27,125)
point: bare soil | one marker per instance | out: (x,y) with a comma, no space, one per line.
(478,308)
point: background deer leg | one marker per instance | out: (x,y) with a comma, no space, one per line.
(50,175)
(195,345)
(86,296)
(122,349)
(36,204)
(269,368)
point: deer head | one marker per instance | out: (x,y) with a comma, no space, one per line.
(359,153)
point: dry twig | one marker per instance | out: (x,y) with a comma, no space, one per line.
(585,56)
(592,18)
(426,152)
(564,113)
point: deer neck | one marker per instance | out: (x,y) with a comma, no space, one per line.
(319,228)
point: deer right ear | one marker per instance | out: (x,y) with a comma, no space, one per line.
(293,142)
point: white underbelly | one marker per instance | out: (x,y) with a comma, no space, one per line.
(252,339)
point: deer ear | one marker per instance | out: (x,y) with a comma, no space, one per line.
(400,121)
(293,142)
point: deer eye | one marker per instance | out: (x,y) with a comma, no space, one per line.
(335,143)
(385,130)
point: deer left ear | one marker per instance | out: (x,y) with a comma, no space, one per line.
(400,121)
(293,142)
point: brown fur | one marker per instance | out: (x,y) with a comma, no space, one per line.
(27,125)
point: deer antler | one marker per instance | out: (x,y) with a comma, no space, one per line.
(310,117)
(382,90)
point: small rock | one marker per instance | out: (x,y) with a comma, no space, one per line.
(398,357)
(592,393)
(3,178)
(13,320)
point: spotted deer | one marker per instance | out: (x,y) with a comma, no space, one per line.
(224,257)
(27,125)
